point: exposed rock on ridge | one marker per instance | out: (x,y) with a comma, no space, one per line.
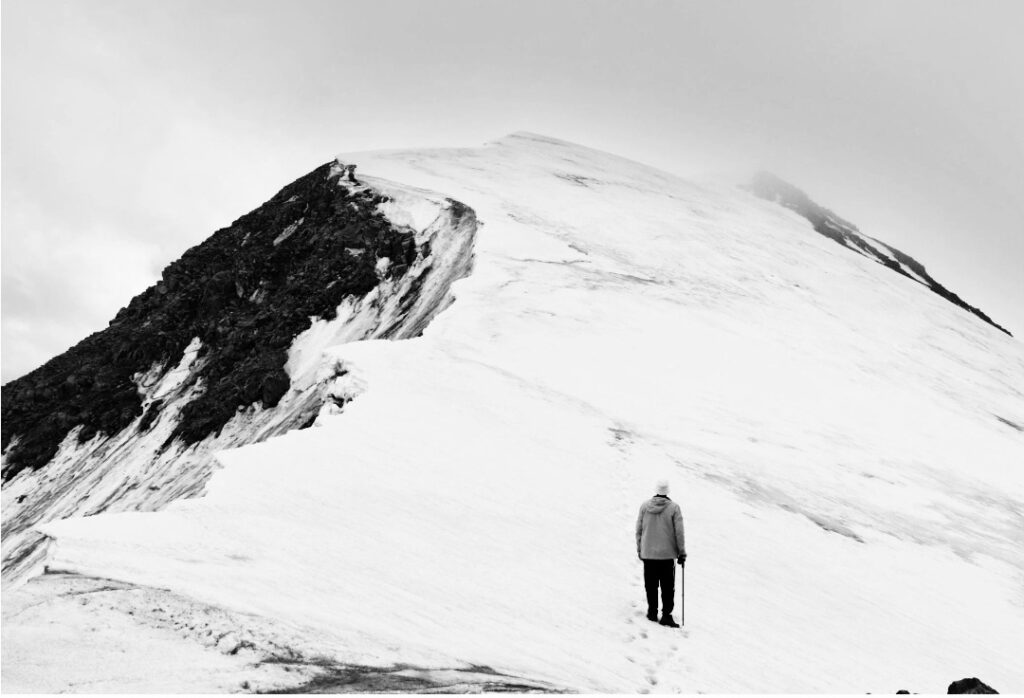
(245,292)
(206,359)
(768,186)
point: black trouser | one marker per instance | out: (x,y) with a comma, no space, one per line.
(660,573)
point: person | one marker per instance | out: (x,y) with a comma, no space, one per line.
(660,543)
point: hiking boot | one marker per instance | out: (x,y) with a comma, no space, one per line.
(652,616)
(667,620)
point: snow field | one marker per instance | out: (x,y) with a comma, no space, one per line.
(853,505)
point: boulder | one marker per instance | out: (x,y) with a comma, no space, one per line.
(971,685)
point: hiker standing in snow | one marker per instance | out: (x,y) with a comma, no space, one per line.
(660,543)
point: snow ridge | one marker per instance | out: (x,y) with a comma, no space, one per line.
(842,446)
(770,187)
(145,466)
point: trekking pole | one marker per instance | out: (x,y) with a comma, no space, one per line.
(682,594)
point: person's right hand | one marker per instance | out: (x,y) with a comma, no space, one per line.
(682,560)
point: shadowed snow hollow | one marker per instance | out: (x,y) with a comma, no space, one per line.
(846,447)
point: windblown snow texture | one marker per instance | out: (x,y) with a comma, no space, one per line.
(845,447)
(772,188)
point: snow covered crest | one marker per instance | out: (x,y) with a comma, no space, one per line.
(842,442)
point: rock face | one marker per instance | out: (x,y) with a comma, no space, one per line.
(971,685)
(768,186)
(128,418)
(246,292)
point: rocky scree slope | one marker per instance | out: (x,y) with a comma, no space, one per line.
(827,223)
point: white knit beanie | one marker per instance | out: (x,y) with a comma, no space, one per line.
(661,487)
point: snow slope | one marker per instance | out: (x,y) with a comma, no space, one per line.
(846,446)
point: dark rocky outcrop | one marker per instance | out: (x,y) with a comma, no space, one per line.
(245,292)
(971,685)
(768,186)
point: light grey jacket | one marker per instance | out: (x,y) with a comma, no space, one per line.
(659,530)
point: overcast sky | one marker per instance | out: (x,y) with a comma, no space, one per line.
(132,129)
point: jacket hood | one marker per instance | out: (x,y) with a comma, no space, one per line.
(657,504)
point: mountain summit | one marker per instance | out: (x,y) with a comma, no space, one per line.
(391,430)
